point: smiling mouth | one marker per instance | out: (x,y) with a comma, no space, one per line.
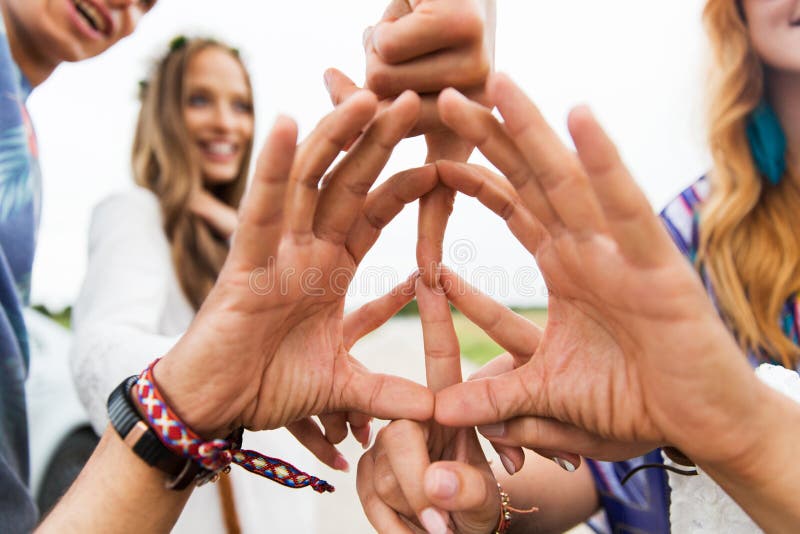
(219,148)
(93,17)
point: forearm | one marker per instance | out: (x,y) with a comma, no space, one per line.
(563,499)
(764,480)
(116,492)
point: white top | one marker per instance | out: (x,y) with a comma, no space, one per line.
(132,310)
(698,504)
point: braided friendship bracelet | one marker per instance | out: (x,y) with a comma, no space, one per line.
(215,455)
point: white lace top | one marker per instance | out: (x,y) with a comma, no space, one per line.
(698,504)
(130,311)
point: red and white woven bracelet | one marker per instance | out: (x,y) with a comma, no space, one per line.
(216,455)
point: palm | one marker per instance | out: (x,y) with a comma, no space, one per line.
(625,311)
(276,312)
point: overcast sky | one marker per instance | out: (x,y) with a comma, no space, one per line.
(638,63)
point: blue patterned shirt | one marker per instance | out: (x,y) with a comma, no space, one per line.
(19,211)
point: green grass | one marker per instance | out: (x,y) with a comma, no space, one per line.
(478,347)
(63,317)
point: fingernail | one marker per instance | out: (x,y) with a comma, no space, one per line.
(508,464)
(366,35)
(433,520)
(340,464)
(456,93)
(496,430)
(369,438)
(443,483)
(327,78)
(564,464)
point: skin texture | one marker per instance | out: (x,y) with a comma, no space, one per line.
(625,309)
(427,46)
(293,363)
(396,492)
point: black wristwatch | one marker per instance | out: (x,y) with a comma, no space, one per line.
(144,442)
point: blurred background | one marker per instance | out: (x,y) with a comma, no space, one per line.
(638,64)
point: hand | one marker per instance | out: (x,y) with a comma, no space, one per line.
(219,216)
(357,324)
(400,489)
(520,337)
(633,347)
(426,46)
(429,45)
(267,347)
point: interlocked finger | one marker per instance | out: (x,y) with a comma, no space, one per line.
(316,154)
(553,167)
(345,188)
(384,203)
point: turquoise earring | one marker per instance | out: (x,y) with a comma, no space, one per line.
(767,142)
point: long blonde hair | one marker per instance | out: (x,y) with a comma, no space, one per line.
(162,163)
(748,246)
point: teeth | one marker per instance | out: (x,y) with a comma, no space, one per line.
(221,149)
(95,18)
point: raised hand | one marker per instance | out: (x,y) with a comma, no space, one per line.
(357,324)
(632,345)
(399,486)
(267,348)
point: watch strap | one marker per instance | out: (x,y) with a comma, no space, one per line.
(144,442)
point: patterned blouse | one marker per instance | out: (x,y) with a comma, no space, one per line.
(642,504)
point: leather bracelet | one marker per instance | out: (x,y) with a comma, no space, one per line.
(135,432)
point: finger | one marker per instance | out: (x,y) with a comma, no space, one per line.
(406,447)
(513,332)
(512,458)
(361,428)
(423,31)
(261,213)
(374,314)
(335,425)
(555,168)
(442,353)
(384,203)
(637,231)
(339,86)
(316,154)
(476,124)
(489,400)
(460,487)
(434,211)
(548,436)
(497,194)
(379,514)
(388,488)
(461,68)
(496,366)
(310,436)
(382,396)
(344,190)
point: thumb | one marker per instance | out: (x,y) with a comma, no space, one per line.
(492,400)
(381,396)
(460,487)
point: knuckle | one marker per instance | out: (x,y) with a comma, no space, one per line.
(379,79)
(385,483)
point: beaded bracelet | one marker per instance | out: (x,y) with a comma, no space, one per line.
(213,456)
(505,512)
